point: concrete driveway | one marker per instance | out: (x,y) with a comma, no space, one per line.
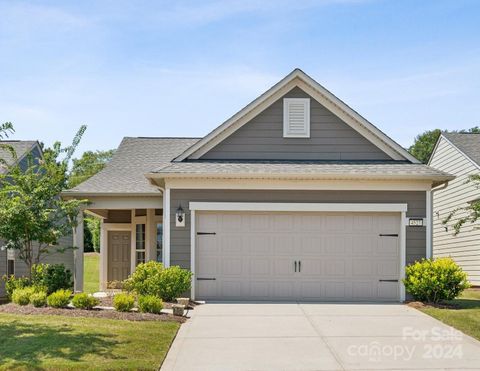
(271,336)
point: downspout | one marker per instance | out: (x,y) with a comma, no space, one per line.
(432,191)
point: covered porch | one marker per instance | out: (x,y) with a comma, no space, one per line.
(131,233)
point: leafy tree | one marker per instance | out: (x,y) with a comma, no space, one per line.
(88,165)
(6,129)
(32,215)
(424,143)
(471,213)
(83,168)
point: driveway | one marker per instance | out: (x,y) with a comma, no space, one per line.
(293,336)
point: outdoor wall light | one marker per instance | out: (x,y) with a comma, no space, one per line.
(180,217)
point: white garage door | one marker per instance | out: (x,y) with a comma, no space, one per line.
(297,256)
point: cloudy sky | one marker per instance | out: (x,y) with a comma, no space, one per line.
(180,68)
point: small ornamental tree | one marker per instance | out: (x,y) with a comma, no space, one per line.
(33,216)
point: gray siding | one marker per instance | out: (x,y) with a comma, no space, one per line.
(465,247)
(21,269)
(262,138)
(180,237)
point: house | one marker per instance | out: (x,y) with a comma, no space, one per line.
(457,154)
(295,197)
(9,261)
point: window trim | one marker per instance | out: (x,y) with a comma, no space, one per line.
(286,122)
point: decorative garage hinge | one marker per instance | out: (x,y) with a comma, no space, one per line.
(388,235)
(206,279)
(205,233)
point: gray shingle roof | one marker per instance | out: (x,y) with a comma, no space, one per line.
(468,143)
(125,173)
(307,169)
(21,147)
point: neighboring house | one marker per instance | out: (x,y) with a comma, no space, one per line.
(9,262)
(457,154)
(295,197)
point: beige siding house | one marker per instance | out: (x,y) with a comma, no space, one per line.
(457,154)
(295,197)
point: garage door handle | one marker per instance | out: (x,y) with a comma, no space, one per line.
(387,280)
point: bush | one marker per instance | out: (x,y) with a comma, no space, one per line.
(152,278)
(84,301)
(22,296)
(59,299)
(435,280)
(39,299)
(12,283)
(150,304)
(51,276)
(123,302)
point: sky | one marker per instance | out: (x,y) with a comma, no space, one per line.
(181,68)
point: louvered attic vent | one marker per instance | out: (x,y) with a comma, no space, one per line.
(296,118)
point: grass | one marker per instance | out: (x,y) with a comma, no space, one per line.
(466,318)
(67,343)
(91,272)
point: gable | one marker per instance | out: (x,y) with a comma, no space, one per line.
(262,138)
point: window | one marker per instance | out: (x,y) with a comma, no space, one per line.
(140,244)
(296,118)
(159,242)
(10,267)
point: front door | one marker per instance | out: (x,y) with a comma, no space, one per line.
(119,246)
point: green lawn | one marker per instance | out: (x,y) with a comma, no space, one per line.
(67,343)
(466,318)
(90,272)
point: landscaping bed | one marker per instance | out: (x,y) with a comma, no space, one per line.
(12,308)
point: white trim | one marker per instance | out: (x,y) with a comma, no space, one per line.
(125,202)
(293,184)
(78,261)
(166,227)
(287,130)
(428,223)
(193,240)
(403,253)
(319,93)
(302,207)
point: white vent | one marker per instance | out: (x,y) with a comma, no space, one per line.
(296,118)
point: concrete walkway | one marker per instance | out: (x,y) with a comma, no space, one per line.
(252,336)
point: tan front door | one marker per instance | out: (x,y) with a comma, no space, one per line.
(298,256)
(119,246)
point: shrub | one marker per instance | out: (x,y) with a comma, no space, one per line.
(84,301)
(150,304)
(152,278)
(123,302)
(12,283)
(59,299)
(39,299)
(435,280)
(22,296)
(52,276)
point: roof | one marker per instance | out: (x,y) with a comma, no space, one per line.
(299,78)
(125,172)
(468,143)
(304,170)
(21,148)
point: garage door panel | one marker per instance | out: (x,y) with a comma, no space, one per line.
(253,255)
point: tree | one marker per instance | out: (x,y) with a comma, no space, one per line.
(6,129)
(32,215)
(88,165)
(83,168)
(471,213)
(424,143)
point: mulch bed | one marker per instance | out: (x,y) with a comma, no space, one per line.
(419,305)
(96,313)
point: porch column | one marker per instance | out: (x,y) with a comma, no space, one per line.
(103,257)
(78,254)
